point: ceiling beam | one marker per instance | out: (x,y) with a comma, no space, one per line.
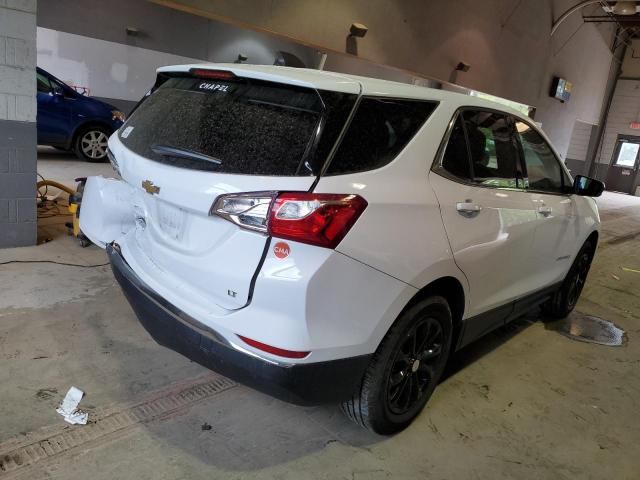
(571,11)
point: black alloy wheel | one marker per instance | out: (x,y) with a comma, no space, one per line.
(414,366)
(405,369)
(565,299)
(579,278)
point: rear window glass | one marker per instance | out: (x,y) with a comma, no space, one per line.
(235,126)
(379,130)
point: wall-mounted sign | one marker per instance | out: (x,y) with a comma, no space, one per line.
(561,89)
(634,125)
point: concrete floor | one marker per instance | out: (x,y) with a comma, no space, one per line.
(525,402)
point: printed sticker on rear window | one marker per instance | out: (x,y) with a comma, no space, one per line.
(127,131)
(213,87)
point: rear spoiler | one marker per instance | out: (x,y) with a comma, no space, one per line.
(196,72)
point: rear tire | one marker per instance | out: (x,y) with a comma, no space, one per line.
(564,300)
(405,369)
(91,144)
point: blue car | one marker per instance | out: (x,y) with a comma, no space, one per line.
(69,120)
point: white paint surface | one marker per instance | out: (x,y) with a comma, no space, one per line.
(205,266)
(108,69)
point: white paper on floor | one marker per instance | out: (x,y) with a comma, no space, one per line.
(69,407)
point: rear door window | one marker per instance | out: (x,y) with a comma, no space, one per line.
(493,148)
(237,125)
(379,131)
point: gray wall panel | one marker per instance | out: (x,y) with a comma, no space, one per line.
(160,28)
(165,30)
(123,105)
(577,167)
(18,234)
(18,225)
(507,42)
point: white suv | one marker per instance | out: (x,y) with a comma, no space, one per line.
(331,238)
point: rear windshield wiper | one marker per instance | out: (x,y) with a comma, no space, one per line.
(167,151)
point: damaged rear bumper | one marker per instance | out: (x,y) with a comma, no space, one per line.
(302,384)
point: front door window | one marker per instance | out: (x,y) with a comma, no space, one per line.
(543,168)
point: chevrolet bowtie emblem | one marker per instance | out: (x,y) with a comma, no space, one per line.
(150,188)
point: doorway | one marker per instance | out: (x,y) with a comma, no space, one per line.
(624,165)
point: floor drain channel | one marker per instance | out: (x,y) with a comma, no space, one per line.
(14,457)
(590,329)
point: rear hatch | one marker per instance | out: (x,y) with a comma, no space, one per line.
(204,133)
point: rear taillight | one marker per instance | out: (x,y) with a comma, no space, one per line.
(315,218)
(247,210)
(320,219)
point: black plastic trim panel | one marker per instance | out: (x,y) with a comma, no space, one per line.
(302,384)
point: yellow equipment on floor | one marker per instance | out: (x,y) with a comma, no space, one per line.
(75,199)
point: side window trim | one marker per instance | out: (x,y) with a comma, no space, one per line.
(521,167)
(438,168)
(338,142)
(523,163)
(563,174)
(460,117)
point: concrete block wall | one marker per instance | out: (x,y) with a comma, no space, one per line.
(18,140)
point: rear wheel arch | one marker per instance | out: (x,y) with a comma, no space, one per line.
(451,289)
(432,313)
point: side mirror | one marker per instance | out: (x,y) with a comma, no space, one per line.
(587,187)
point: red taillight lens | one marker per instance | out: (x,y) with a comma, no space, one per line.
(321,219)
(281,352)
(315,218)
(216,74)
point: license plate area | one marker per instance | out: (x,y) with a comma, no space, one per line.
(171,220)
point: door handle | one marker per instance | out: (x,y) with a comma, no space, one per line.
(545,211)
(468,209)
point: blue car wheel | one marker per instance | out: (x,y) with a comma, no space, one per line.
(91,144)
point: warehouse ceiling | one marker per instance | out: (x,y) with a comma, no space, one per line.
(625,13)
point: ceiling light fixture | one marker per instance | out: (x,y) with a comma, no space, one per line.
(625,8)
(358,30)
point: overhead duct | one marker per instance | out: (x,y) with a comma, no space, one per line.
(622,8)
